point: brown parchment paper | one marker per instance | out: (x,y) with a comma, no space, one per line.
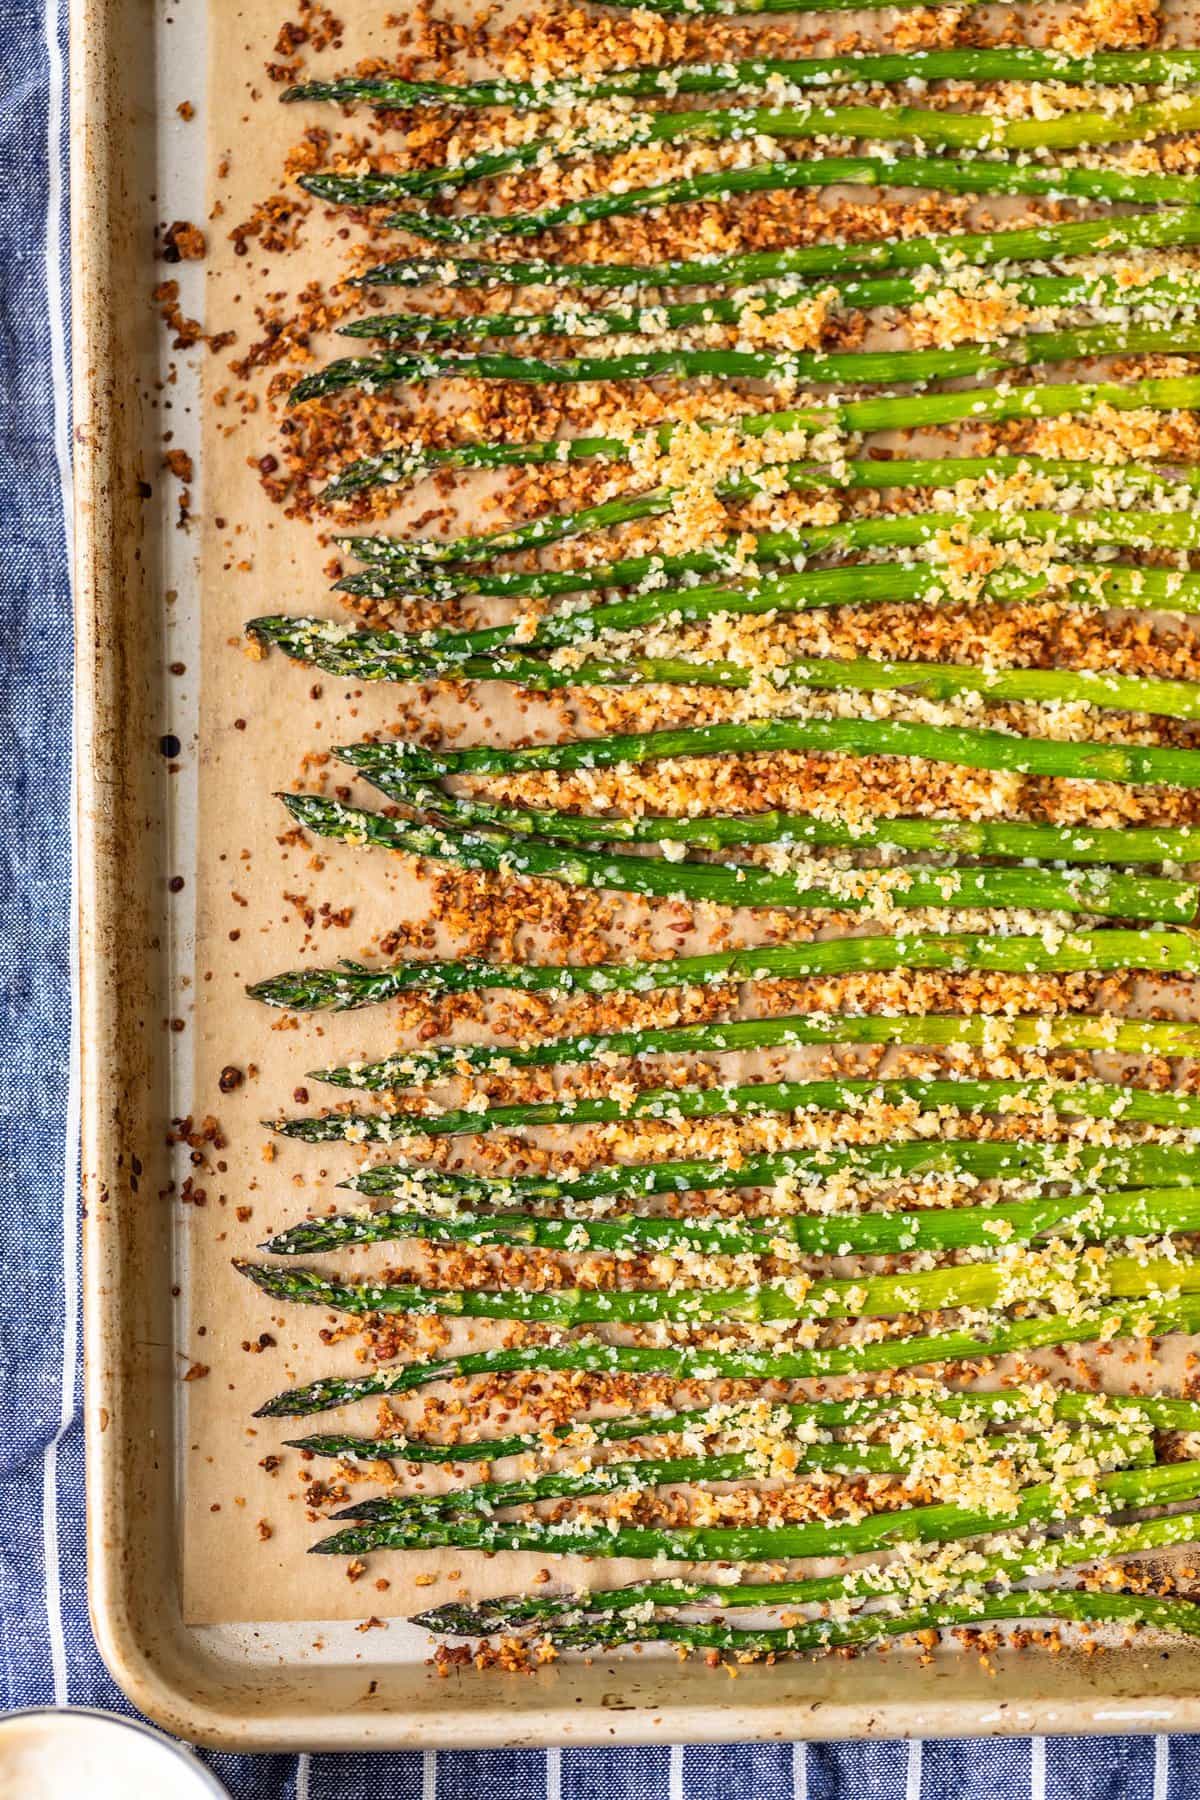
(260,901)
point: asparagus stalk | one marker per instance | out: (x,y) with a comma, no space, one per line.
(1090,952)
(1000,1337)
(370,373)
(392,656)
(1083,1168)
(808,122)
(1091,1219)
(887,412)
(933,681)
(960,175)
(970,1285)
(975,749)
(1121,1448)
(942,471)
(1111,1449)
(1120,67)
(1013,1563)
(863,675)
(1044,843)
(738,554)
(1047,240)
(684,8)
(1076,1099)
(1008,1406)
(1177,290)
(1071,1606)
(1095,892)
(939,1523)
(405,656)
(1091,891)
(1070,1031)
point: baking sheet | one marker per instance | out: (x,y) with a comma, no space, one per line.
(265,902)
(163,1450)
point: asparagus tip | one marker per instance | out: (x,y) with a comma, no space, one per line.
(267,627)
(455,1620)
(266,991)
(279,1406)
(369,1511)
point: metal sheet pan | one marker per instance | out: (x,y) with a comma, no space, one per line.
(308,1684)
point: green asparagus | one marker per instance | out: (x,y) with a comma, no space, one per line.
(1046,241)
(352,985)
(1092,1219)
(1001,1337)
(962,174)
(1120,67)
(1095,892)
(975,1286)
(939,1523)
(371,373)
(1007,1406)
(994,1032)
(1122,1448)
(886,412)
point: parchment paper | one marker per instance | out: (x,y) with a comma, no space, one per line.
(247,1527)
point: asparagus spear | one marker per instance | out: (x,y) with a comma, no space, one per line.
(1120,67)
(942,471)
(742,554)
(1098,952)
(887,412)
(405,656)
(1048,240)
(864,675)
(1076,1099)
(807,122)
(1092,891)
(370,373)
(1001,1337)
(1177,290)
(970,1285)
(934,681)
(1070,1031)
(1007,1406)
(912,125)
(1095,892)
(1083,1168)
(1047,843)
(1091,1219)
(1014,1562)
(1071,1606)
(685,7)
(975,749)
(960,175)
(940,1523)
(1121,1448)
(461,655)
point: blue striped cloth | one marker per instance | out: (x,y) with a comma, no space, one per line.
(46,1644)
